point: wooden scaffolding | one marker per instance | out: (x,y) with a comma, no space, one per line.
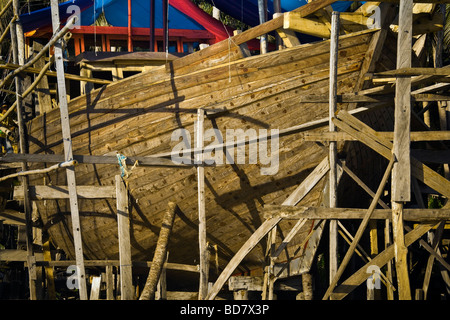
(408,174)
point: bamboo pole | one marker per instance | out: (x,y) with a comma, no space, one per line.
(148,293)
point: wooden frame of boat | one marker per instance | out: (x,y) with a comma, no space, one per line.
(222,88)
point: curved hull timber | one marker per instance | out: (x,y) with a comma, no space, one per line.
(137,117)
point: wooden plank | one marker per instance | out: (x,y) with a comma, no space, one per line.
(408,71)
(70,172)
(298,194)
(56,158)
(123,224)
(17,43)
(109,282)
(116,263)
(401,251)
(62,192)
(401,174)
(313,213)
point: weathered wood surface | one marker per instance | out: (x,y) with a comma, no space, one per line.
(300,212)
(137,116)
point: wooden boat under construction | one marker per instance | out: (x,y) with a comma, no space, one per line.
(137,117)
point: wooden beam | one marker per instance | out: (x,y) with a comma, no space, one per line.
(123,225)
(380,260)
(298,194)
(288,37)
(313,213)
(246,36)
(70,172)
(61,192)
(17,43)
(332,181)
(33,70)
(408,71)
(116,263)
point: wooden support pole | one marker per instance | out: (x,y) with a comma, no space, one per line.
(19,58)
(380,260)
(148,293)
(123,224)
(262,9)
(70,171)
(334,47)
(165,14)
(361,229)
(299,193)
(109,282)
(203,250)
(401,174)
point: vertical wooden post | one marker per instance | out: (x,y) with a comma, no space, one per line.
(204,266)
(68,156)
(166,25)
(401,174)
(123,223)
(109,282)
(19,58)
(262,9)
(152,25)
(334,45)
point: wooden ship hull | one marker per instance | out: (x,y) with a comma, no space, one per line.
(137,117)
